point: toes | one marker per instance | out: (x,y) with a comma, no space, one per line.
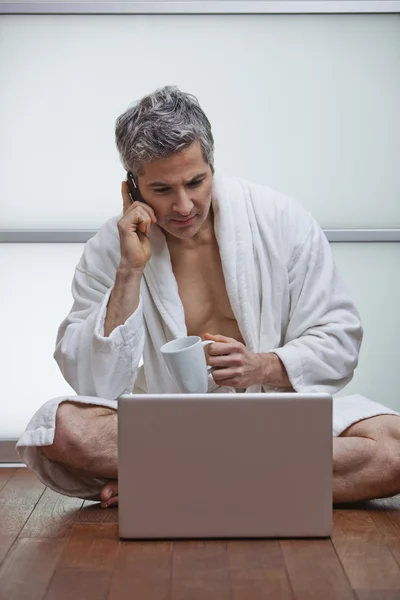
(106,493)
(112,502)
(109,494)
(110,489)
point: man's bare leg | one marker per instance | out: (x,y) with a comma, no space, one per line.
(366,457)
(86,442)
(366,460)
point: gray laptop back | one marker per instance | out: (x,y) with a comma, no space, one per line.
(225,465)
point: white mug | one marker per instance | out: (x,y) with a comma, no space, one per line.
(186,363)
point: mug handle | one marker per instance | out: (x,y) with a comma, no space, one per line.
(205,343)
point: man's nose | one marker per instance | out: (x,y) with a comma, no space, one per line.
(183,204)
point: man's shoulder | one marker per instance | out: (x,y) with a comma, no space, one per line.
(107,234)
(102,251)
(274,206)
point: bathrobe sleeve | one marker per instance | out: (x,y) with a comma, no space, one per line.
(324,333)
(95,365)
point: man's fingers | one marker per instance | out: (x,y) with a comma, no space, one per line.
(221,375)
(137,213)
(126,200)
(128,205)
(217,349)
(219,338)
(138,217)
(222,362)
(143,219)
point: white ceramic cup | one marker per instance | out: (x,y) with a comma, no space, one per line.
(186,363)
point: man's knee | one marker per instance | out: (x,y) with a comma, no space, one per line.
(388,449)
(390,440)
(378,428)
(74,422)
(385,431)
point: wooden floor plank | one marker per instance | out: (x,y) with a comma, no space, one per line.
(352,520)
(257,570)
(200,570)
(365,543)
(315,571)
(55,547)
(5,474)
(20,492)
(17,500)
(368,562)
(386,517)
(91,547)
(378,595)
(6,541)
(87,563)
(390,506)
(53,516)
(28,568)
(142,571)
(92,513)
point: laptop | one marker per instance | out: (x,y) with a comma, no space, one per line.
(225,465)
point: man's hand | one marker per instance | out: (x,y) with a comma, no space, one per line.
(233,364)
(237,367)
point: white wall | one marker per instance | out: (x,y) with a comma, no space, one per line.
(372,275)
(38,297)
(308,104)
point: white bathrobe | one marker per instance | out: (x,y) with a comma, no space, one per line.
(284,291)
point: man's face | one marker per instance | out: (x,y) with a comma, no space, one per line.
(178,188)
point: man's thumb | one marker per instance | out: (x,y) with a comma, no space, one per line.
(217,337)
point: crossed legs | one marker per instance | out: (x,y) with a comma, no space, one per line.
(366,456)
(85,441)
(366,460)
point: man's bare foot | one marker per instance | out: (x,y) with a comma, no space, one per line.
(109,494)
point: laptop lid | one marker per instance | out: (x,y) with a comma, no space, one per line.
(225,465)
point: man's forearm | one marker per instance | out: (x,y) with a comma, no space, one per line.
(274,372)
(124,298)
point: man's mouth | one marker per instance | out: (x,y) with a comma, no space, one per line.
(183,221)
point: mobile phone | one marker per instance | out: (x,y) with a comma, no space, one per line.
(134,192)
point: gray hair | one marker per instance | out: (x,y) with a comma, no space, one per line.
(160,124)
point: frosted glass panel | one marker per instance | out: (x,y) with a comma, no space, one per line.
(38,297)
(308,104)
(372,275)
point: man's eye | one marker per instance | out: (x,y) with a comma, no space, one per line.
(195,183)
(191,184)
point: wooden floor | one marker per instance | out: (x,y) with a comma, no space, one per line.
(54,547)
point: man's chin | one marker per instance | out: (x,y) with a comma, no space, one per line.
(182,230)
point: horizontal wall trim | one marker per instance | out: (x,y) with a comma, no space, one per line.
(63,236)
(8,453)
(363,235)
(204,7)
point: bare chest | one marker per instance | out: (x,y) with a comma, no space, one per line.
(202,290)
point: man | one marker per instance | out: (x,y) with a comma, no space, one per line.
(199,254)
